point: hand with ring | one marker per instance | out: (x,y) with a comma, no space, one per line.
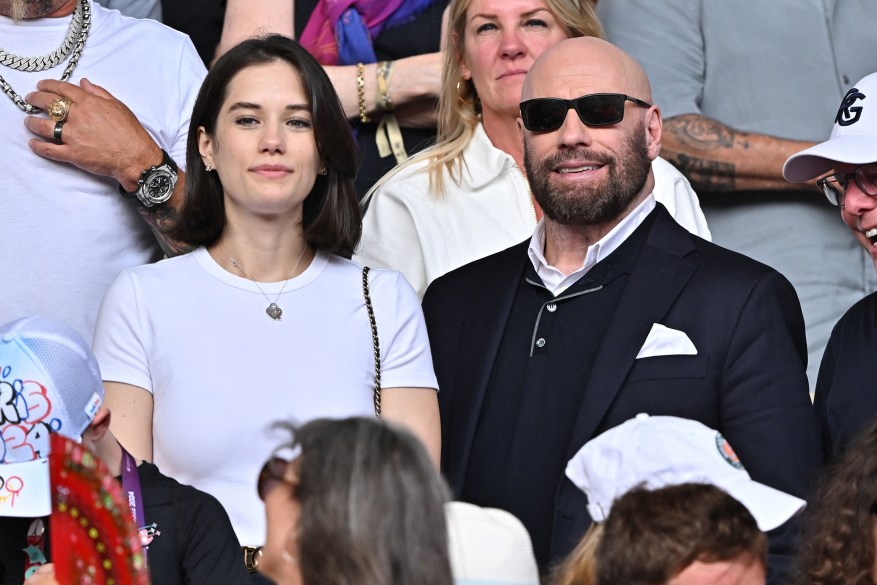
(101,135)
(58,111)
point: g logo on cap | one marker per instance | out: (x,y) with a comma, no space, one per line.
(847,114)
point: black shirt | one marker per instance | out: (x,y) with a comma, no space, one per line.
(845,399)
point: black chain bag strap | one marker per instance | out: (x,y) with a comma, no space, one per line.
(375,342)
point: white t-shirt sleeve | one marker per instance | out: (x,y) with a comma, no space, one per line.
(119,343)
(406,359)
(189,77)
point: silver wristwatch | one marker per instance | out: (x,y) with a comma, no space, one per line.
(156,184)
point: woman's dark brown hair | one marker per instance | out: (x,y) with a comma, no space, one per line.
(331,217)
(838,542)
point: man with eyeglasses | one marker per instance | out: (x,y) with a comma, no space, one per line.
(609,310)
(845,398)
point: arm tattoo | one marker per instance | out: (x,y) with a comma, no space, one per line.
(698,151)
(699,133)
(160,219)
(704,174)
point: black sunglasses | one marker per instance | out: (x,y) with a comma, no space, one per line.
(596,109)
(274,472)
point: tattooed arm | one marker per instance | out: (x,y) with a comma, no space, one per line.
(670,40)
(161,218)
(715,157)
(103,136)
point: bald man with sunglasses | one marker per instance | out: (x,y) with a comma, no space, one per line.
(845,399)
(609,310)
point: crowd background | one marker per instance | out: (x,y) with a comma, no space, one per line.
(395,134)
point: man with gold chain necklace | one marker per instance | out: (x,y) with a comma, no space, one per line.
(94,119)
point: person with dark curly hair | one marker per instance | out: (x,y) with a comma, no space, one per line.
(841,521)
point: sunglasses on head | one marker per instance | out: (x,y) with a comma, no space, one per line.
(596,109)
(274,472)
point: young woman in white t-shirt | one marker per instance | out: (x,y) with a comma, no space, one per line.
(266,320)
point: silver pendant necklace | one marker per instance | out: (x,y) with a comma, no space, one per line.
(73,45)
(273,310)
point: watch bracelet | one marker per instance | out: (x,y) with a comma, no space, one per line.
(165,160)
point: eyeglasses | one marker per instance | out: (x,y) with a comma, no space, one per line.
(596,109)
(835,186)
(274,472)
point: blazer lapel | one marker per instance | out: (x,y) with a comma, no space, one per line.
(659,276)
(487,307)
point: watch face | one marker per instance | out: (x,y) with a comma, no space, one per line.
(159,186)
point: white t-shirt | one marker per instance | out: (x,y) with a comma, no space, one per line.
(222,372)
(424,235)
(65,234)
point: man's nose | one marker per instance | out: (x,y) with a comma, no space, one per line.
(857,202)
(573,132)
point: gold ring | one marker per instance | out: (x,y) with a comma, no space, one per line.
(59,109)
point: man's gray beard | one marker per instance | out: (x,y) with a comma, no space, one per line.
(21,9)
(18,10)
(585,205)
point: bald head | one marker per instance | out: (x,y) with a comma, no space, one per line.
(586,65)
(589,175)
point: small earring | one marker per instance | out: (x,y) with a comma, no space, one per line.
(324,171)
(462,88)
(208,167)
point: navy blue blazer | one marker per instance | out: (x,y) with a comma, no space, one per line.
(747,380)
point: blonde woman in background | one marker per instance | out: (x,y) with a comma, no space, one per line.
(468,196)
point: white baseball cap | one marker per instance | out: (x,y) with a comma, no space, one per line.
(853,138)
(49,383)
(657,451)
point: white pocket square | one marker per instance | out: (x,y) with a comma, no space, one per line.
(665,341)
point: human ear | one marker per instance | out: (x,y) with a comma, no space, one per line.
(205,146)
(653,127)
